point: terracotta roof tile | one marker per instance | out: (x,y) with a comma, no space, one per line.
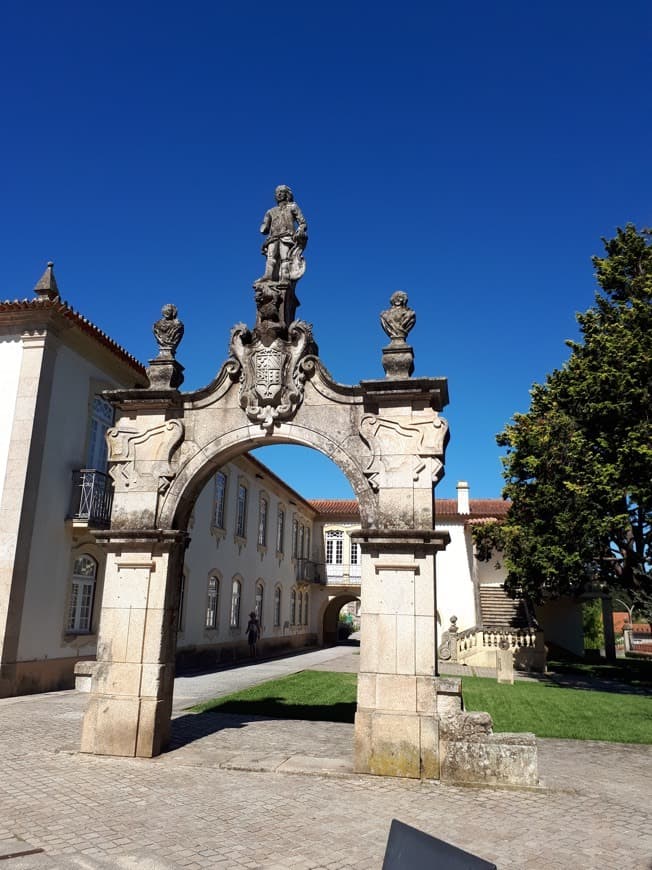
(336,507)
(56,306)
(481,508)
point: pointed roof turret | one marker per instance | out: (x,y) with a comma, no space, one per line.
(46,286)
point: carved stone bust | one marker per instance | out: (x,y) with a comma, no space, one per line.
(168,332)
(398,320)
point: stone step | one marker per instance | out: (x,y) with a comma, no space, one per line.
(498,609)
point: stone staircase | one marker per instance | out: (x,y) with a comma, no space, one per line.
(504,620)
(498,610)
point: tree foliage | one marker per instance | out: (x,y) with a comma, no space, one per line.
(578,466)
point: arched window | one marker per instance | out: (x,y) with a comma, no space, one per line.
(295,538)
(235,603)
(220,500)
(262,522)
(305,607)
(212,602)
(300,609)
(306,555)
(241,515)
(277,606)
(259,603)
(82,593)
(280,531)
(101,419)
(293,607)
(302,538)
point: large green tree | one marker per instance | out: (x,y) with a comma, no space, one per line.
(578,466)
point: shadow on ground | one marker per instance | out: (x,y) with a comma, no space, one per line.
(238,714)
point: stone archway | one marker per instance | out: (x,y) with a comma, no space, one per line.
(387,438)
(330,615)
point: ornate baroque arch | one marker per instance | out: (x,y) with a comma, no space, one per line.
(386,436)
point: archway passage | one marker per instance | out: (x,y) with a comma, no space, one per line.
(387,438)
(331,615)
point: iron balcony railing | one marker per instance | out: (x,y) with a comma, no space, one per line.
(91,497)
(308,571)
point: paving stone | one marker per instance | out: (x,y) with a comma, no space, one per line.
(184,809)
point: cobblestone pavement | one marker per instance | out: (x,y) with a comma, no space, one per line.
(247,792)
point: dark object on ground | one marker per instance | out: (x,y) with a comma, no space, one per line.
(408,848)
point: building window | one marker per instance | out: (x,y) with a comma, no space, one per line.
(277,606)
(295,538)
(82,592)
(101,420)
(306,554)
(334,547)
(262,522)
(235,603)
(293,607)
(259,604)
(280,530)
(300,609)
(241,516)
(220,500)
(355,553)
(212,602)
(182,595)
(305,608)
(302,541)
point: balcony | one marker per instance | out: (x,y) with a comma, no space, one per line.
(343,575)
(90,502)
(308,571)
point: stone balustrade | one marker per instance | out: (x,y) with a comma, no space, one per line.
(478,646)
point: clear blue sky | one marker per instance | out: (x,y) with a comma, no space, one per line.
(472,154)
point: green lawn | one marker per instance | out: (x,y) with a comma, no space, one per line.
(321,696)
(545,709)
(553,711)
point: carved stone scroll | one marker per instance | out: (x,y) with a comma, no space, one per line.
(137,457)
(398,450)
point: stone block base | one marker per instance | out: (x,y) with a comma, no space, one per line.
(396,744)
(126,726)
(470,753)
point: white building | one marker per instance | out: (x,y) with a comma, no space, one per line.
(257,545)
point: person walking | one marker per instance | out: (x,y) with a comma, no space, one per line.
(253,633)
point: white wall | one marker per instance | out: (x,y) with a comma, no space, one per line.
(455,586)
(11,354)
(212,551)
(51,554)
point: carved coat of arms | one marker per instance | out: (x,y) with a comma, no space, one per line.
(272,376)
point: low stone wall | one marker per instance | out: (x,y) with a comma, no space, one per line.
(40,675)
(469,751)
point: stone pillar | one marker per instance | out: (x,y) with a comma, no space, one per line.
(608,624)
(504,662)
(396,729)
(627,637)
(130,703)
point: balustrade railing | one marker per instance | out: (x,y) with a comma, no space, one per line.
(490,638)
(343,575)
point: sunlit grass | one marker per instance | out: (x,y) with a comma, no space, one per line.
(543,708)
(316,695)
(555,711)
